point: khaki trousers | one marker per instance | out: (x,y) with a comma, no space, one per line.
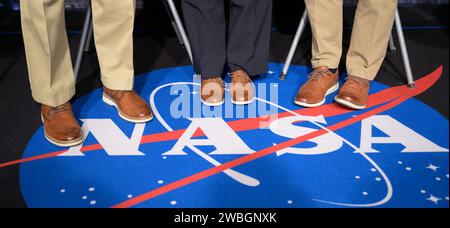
(49,64)
(370,36)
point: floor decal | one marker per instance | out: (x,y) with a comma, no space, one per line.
(270,154)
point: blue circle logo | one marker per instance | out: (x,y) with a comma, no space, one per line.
(270,154)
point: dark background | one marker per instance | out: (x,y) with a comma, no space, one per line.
(156,46)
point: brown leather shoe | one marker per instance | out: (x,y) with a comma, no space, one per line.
(242,88)
(354,93)
(60,126)
(213,91)
(129,104)
(322,82)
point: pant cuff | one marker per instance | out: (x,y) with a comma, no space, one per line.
(54,99)
(211,73)
(362,73)
(329,64)
(119,84)
(251,71)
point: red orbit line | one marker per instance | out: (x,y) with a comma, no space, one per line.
(262,153)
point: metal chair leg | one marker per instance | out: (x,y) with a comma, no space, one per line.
(392,47)
(294,45)
(86,27)
(180,27)
(404,50)
(173,23)
(89,37)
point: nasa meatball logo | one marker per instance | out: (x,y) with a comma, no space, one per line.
(270,154)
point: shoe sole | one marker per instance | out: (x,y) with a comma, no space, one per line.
(223,102)
(111,102)
(59,143)
(243,102)
(348,104)
(329,91)
(213,104)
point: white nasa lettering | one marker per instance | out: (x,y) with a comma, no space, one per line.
(397,133)
(325,144)
(218,134)
(111,137)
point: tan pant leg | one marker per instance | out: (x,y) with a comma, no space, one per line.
(47,51)
(113,31)
(370,37)
(326,19)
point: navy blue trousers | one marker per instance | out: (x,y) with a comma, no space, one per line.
(241,43)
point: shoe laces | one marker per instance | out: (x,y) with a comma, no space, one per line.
(58,109)
(319,73)
(119,94)
(361,83)
(217,80)
(240,77)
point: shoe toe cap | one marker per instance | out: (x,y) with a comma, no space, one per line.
(349,98)
(308,98)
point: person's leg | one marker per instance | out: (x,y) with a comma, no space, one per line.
(47,51)
(113,32)
(206,29)
(249,36)
(248,46)
(370,38)
(205,25)
(326,21)
(50,69)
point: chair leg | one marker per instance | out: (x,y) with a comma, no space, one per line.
(84,35)
(392,47)
(89,39)
(173,23)
(404,50)
(294,45)
(180,27)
